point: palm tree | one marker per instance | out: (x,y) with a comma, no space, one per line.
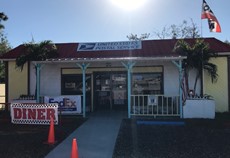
(198,56)
(3,17)
(36,52)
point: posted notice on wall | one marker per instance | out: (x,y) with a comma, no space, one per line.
(66,104)
(32,113)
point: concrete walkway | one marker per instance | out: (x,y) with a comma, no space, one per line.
(95,138)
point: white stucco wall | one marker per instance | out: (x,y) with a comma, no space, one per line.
(171,79)
(50,84)
(191,82)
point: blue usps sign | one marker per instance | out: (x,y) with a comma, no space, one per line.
(103,46)
(152,100)
(86,46)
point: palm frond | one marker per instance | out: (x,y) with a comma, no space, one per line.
(198,56)
(37,52)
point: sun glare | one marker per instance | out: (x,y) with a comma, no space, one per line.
(128,4)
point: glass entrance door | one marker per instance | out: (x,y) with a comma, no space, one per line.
(119,89)
(110,90)
(102,90)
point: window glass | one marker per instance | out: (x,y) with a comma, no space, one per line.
(72,84)
(147,83)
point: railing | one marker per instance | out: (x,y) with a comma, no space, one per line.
(4,106)
(155,105)
(2,97)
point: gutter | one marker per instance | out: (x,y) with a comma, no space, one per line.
(89,60)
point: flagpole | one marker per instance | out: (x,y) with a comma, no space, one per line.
(201,25)
(202,65)
(202,73)
(201,29)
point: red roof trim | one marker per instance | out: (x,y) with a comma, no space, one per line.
(150,48)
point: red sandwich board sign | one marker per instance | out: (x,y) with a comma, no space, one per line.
(22,113)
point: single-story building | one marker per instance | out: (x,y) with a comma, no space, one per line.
(142,77)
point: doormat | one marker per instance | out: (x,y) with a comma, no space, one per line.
(174,123)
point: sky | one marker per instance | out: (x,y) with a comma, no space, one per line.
(67,21)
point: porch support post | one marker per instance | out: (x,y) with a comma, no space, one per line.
(83,68)
(129,67)
(38,69)
(179,66)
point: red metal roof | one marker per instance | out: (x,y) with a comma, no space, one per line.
(150,48)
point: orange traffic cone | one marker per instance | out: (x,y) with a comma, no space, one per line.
(74,153)
(51,137)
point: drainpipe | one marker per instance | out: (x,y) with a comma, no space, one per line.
(129,67)
(179,66)
(83,68)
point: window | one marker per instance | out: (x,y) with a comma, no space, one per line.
(147,83)
(71,84)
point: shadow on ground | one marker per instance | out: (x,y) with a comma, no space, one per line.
(26,141)
(200,138)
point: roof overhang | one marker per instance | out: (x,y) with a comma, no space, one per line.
(93,60)
(7,60)
(223,53)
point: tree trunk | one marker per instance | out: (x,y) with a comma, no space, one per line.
(195,84)
(199,75)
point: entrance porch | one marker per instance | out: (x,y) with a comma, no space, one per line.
(142,86)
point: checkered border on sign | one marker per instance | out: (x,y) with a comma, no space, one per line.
(35,106)
(41,122)
(26,105)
